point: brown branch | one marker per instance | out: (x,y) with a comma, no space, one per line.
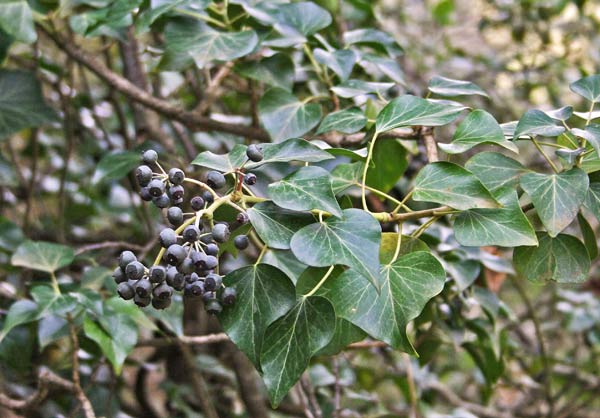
(46,379)
(426,133)
(198,383)
(121,84)
(190,340)
(212,90)
(452,398)
(107,244)
(249,384)
(85,403)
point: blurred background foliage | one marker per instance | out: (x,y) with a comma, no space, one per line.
(498,348)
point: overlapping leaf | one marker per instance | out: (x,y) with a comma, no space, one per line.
(452,185)
(115,166)
(346,121)
(276,226)
(340,61)
(42,256)
(535,122)
(265,293)
(352,240)
(276,70)
(450,87)
(16,19)
(495,170)
(588,87)
(556,197)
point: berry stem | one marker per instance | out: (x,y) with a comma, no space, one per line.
(325,277)
(261,255)
(202,185)
(402,203)
(398,244)
(177,231)
(55,283)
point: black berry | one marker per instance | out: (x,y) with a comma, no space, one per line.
(175,216)
(161,303)
(149,156)
(197,203)
(212,282)
(145,194)
(213,307)
(156,188)
(162,201)
(134,270)
(176,176)
(167,237)
(220,232)
(187,266)
(250,179)
(191,233)
(241,242)
(175,279)
(143,288)
(143,174)
(228,296)
(212,249)
(162,291)
(175,254)
(176,192)
(254,153)
(215,180)
(242,218)
(125,258)
(125,291)
(208,197)
(157,274)
(194,289)
(119,275)
(140,301)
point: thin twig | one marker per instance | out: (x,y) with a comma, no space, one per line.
(426,134)
(108,244)
(85,403)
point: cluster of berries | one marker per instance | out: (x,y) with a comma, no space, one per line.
(190,252)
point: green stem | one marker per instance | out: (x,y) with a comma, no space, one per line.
(177,231)
(364,176)
(200,16)
(589,118)
(546,157)
(263,250)
(385,196)
(325,277)
(398,244)
(55,283)
(424,227)
(402,204)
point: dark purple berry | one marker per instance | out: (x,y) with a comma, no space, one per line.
(140,301)
(213,307)
(125,291)
(176,176)
(212,249)
(145,194)
(175,216)
(191,233)
(175,254)
(228,296)
(125,258)
(215,179)
(254,153)
(167,237)
(143,288)
(176,192)
(212,282)
(242,218)
(157,274)
(149,156)
(156,188)
(134,270)
(250,179)
(241,242)
(197,203)
(162,291)
(119,275)
(143,174)
(162,201)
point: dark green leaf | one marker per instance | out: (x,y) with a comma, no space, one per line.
(406,285)
(276,70)
(387,165)
(222,162)
(479,127)
(591,134)
(464,272)
(306,189)
(592,199)
(276,226)
(373,38)
(505,227)
(284,116)
(535,122)
(352,240)
(10,235)
(16,19)
(205,45)
(495,170)
(21,102)
(285,261)
(588,87)
(115,347)
(449,87)
(265,293)
(562,113)
(292,340)
(589,236)
(52,328)
(344,176)
(374,64)
(345,334)
(294,149)
(43,256)
(353,88)
(389,242)
(346,121)
(563,259)
(305,17)
(340,61)
(20,312)
(556,197)
(115,166)
(409,110)
(452,185)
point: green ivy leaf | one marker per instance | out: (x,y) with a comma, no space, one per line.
(373,64)
(592,199)
(10,235)
(556,197)
(52,328)
(292,340)
(589,236)
(409,110)
(352,88)
(16,19)
(276,226)
(115,166)
(306,189)
(276,70)
(116,343)
(388,163)
(345,334)
(588,87)
(265,293)
(407,284)
(21,102)
(495,171)
(344,176)
(591,134)
(340,61)
(284,116)
(452,185)
(505,227)
(43,256)
(535,122)
(352,240)
(374,38)
(563,259)
(20,312)
(562,113)
(346,121)
(222,162)
(294,149)
(408,244)
(305,17)
(479,127)
(205,45)
(285,261)
(448,87)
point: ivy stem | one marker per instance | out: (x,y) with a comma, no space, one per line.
(364,176)
(201,185)
(55,283)
(261,255)
(386,196)
(424,227)
(398,244)
(402,204)
(546,157)
(200,16)
(589,118)
(325,277)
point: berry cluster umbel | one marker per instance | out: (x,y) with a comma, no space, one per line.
(189,257)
